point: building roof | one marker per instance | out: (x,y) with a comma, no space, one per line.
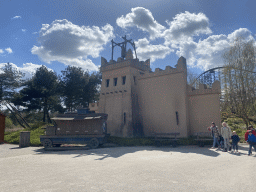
(71,117)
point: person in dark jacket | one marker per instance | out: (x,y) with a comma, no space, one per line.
(215,134)
(235,139)
(252,142)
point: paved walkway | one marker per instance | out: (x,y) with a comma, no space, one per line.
(185,168)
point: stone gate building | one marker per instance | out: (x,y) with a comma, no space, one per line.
(140,102)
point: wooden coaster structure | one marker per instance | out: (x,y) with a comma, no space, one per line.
(16,114)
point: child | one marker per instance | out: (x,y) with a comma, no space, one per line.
(235,140)
(252,142)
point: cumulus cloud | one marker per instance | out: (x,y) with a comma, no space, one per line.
(1,51)
(145,50)
(23,30)
(242,32)
(187,50)
(9,50)
(17,17)
(143,19)
(28,69)
(207,53)
(68,43)
(186,25)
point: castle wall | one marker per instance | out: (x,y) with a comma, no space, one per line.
(159,101)
(161,94)
(204,107)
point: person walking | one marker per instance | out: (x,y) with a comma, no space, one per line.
(247,132)
(235,139)
(226,134)
(215,134)
(252,142)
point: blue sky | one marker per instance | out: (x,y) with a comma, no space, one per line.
(58,33)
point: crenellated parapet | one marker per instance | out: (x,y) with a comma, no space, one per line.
(128,61)
(204,90)
(180,67)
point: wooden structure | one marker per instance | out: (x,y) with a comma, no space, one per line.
(2,127)
(76,128)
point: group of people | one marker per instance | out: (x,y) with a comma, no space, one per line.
(222,138)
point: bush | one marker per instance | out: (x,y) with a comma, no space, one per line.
(8,123)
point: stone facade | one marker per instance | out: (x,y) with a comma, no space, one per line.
(140,102)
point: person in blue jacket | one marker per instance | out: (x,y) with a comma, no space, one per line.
(252,142)
(235,139)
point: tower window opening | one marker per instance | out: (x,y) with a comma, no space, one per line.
(107,82)
(134,79)
(177,117)
(124,78)
(115,81)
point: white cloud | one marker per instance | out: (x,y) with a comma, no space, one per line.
(207,53)
(28,69)
(1,51)
(23,30)
(187,50)
(186,25)
(145,50)
(143,19)
(17,17)
(71,44)
(9,50)
(242,32)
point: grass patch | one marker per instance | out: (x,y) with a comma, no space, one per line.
(14,137)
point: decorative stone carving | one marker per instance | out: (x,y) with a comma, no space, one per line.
(129,54)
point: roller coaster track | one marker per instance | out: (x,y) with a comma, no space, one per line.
(209,76)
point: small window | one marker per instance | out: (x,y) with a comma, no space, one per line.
(134,79)
(177,117)
(124,118)
(115,81)
(124,78)
(107,83)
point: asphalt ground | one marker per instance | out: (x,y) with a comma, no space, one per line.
(184,168)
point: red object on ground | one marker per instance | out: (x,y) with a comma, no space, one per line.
(2,127)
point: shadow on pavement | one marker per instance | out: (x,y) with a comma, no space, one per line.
(116,152)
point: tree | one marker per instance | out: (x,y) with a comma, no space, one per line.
(239,79)
(41,92)
(92,89)
(79,88)
(10,80)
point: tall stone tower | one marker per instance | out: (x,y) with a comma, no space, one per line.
(118,95)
